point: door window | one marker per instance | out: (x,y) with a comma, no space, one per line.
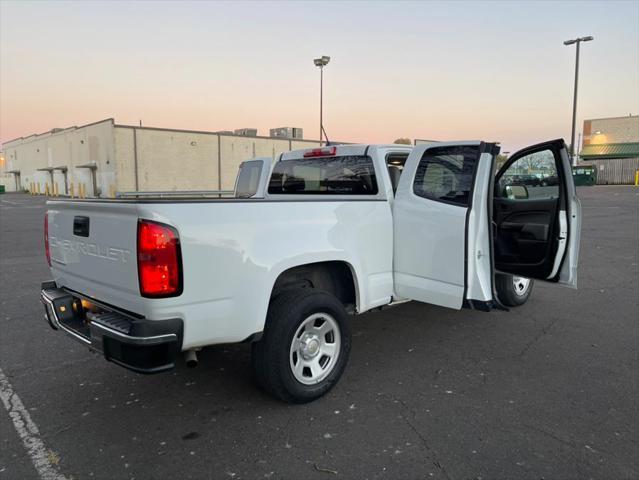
(533,176)
(446,174)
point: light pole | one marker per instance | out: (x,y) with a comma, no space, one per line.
(574,100)
(321,63)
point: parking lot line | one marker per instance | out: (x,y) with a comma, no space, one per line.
(28,432)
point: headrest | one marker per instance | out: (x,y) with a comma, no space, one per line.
(293,185)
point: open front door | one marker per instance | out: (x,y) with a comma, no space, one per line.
(441,217)
(537,215)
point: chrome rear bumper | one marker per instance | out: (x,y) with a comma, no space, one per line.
(141,345)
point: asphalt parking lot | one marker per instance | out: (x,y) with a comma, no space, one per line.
(549,390)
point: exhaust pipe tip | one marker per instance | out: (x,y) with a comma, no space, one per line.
(190,357)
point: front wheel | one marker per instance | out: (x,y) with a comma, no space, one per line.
(513,291)
(305,346)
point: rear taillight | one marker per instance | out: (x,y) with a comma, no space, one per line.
(46,238)
(159,260)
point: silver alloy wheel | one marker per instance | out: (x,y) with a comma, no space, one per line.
(315,348)
(521,285)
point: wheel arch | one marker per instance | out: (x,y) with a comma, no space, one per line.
(338,277)
(296,273)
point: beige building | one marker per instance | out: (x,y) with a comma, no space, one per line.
(613,130)
(611,145)
(105,157)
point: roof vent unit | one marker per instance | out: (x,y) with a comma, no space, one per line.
(287,132)
(246,132)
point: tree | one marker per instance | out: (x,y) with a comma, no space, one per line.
(536,162)
(500,160)
(403,141)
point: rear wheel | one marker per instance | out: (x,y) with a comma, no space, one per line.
(305,346)
(513,291)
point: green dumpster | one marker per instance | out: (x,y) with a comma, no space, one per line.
(584,176)
(1,188)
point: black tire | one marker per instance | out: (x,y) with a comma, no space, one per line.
(271,355)
(508,294)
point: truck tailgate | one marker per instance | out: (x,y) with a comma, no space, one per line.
(93,250)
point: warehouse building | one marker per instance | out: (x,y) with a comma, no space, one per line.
(104,157)
(611,145)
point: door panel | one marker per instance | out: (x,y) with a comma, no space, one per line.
(429,253)
(479,238)
(432,217)
(533,211)
(524,235)
(570,224)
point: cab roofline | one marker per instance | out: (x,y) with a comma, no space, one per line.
(342,150)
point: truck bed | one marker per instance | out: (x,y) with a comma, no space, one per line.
(232,252)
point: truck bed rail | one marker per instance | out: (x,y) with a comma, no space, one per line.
(178,193)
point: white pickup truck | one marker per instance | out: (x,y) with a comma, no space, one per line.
(335,231)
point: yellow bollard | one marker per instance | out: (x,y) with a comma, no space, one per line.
(71,189)
(83,191)
(636,178)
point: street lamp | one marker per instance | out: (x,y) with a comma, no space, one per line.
(574,101)
(321,63)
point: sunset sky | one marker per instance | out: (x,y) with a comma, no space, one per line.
(458,70)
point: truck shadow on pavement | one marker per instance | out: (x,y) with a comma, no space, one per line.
(386,346)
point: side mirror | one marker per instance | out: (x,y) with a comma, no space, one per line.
(516,192)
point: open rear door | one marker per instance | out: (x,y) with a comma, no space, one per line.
(442,228)
(537,215)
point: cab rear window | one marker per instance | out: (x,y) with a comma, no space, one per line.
(248,180)
(346,175)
